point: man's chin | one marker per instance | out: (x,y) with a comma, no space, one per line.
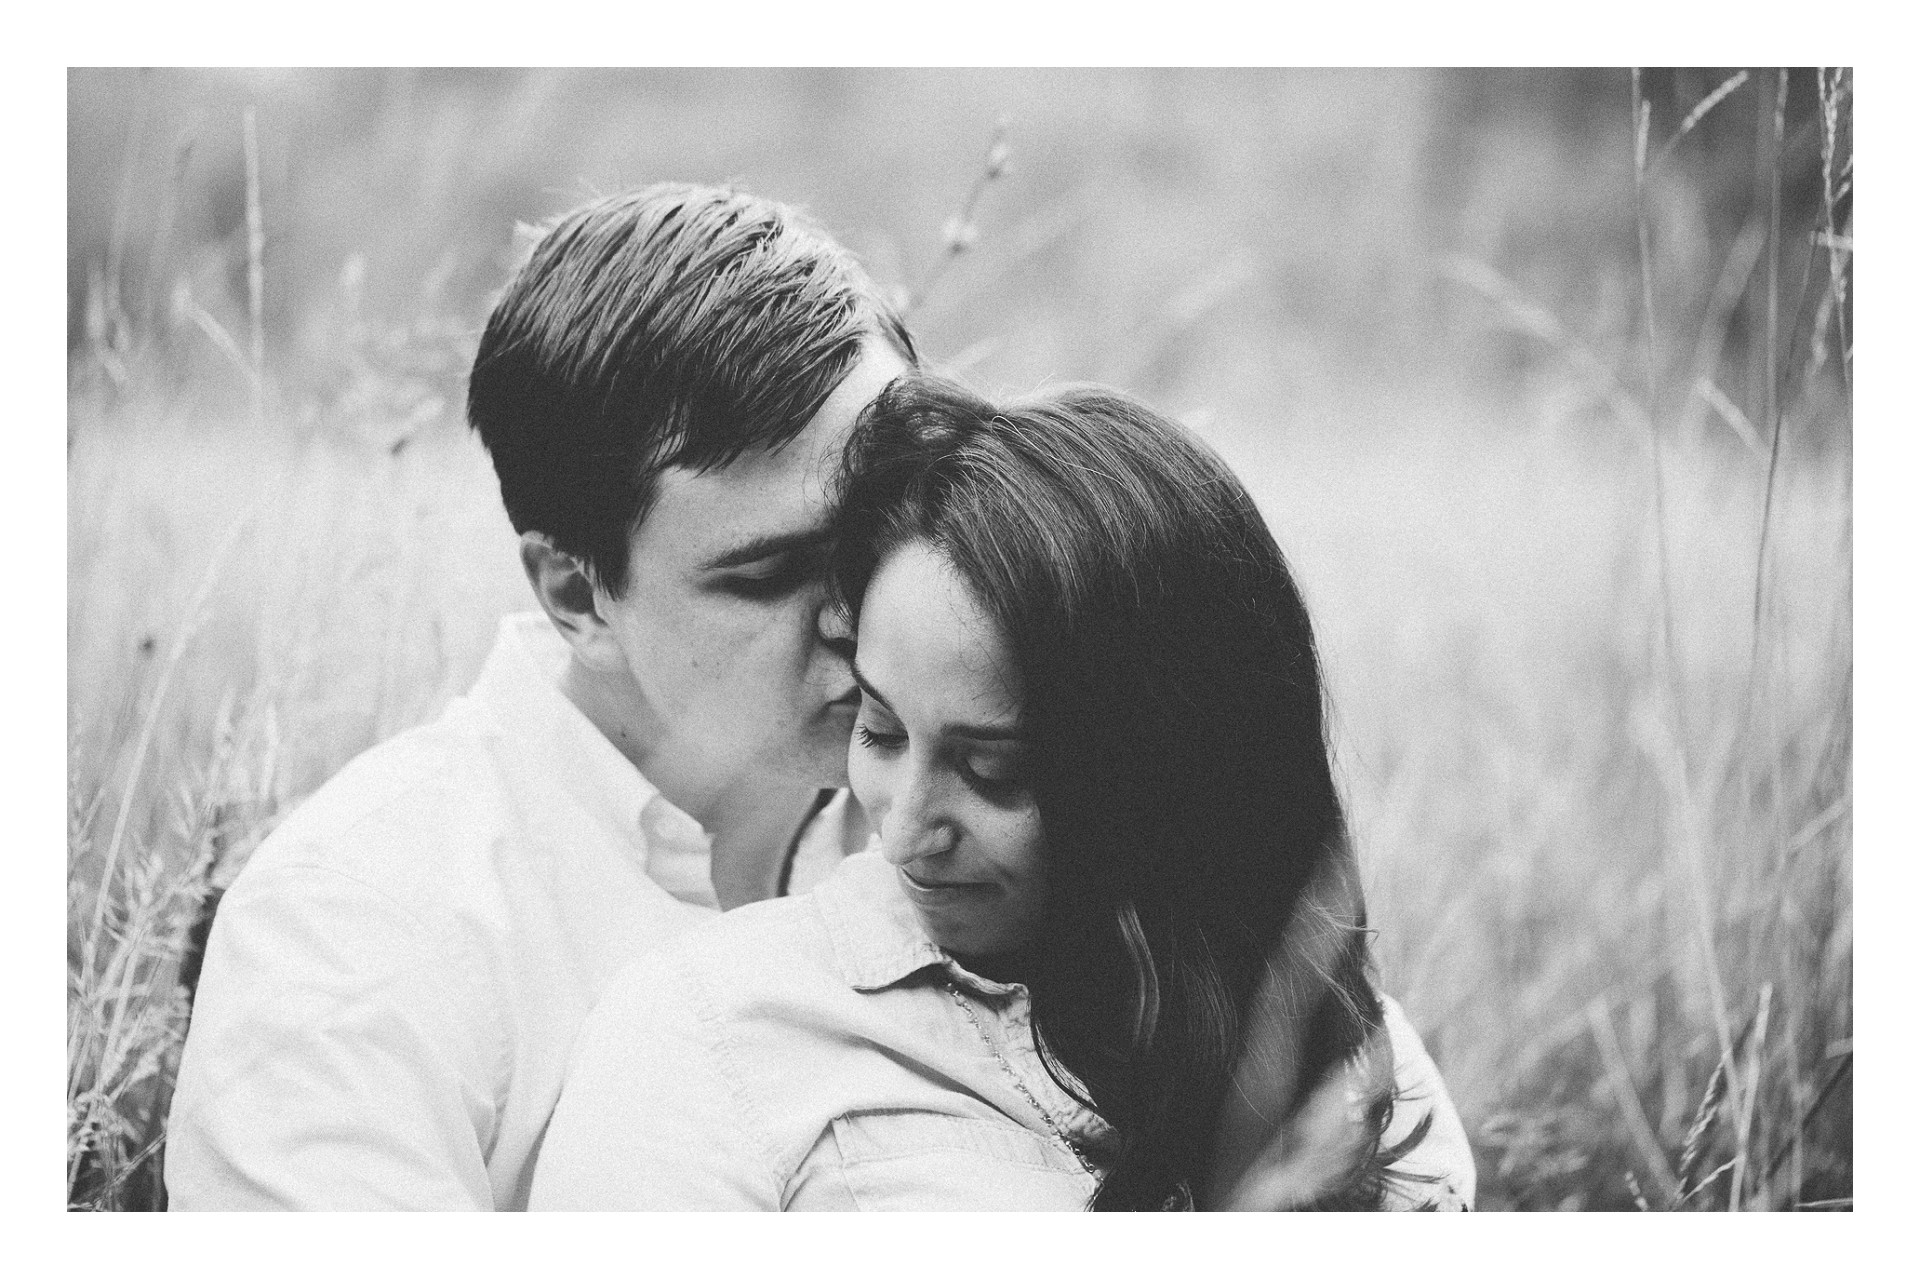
(827,753)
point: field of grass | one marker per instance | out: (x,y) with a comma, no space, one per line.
(1558,440)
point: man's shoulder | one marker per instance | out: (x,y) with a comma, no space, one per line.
(409,801)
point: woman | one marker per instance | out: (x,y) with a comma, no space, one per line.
(1109,951)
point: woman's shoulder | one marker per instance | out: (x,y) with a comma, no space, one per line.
(721,961)
(762,955)
(669,1079)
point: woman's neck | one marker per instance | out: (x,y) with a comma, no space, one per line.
(1009,968)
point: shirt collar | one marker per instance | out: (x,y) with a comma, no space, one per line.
(562,750)
(877,937)
(679,852)
(878,942)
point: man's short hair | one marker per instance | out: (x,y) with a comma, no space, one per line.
(676,325)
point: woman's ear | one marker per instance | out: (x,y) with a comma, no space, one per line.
(564,585)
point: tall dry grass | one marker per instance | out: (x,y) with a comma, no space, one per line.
(1587,623)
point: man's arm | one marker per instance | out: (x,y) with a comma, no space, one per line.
(1258,1140)
(328,1064)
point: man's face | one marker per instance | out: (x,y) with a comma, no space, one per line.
(722,620)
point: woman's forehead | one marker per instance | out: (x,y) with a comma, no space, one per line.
(926,640)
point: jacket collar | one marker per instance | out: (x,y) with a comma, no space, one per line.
(876,934)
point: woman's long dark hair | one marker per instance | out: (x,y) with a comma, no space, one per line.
(1173,715)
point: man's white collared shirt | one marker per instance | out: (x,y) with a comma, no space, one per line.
(394,982)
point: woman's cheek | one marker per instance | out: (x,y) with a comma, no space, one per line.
(1018,848)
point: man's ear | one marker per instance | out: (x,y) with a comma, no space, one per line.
(565,587)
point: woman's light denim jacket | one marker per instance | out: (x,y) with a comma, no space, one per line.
(806,1053)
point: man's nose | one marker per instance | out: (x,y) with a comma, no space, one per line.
(836,629)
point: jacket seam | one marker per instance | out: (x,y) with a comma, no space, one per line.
(707,1015)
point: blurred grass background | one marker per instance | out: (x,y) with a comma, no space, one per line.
(1596,737)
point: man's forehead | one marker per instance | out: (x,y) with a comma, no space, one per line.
(758,498)
(765,495)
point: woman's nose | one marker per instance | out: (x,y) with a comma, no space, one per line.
(914,827)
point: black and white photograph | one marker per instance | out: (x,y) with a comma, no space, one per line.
(960,639)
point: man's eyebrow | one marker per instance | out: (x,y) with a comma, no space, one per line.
(975,732)
(753,550)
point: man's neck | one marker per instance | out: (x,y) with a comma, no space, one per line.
(750,823)
(751,839)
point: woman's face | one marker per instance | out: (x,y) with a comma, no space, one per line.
(937,759)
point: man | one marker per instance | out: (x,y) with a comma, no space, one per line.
(394,982)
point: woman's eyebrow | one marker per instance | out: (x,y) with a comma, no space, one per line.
(987,732)
(866,686)
(977,732)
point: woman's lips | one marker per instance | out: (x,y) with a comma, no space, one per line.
(938,890)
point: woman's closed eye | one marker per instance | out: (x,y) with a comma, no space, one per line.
(876,729)
(875,740)
(998,768)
